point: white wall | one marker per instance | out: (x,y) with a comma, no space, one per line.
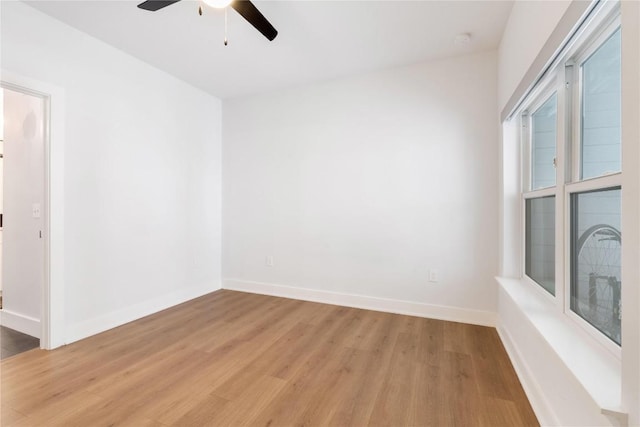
(529,26)
(631,209)
(362,185)
(141,171)
(1,185)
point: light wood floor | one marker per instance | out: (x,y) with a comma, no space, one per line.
(232,358)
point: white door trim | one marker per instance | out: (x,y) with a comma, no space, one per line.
(52,314)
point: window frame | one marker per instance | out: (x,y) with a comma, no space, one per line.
(546,88)
(565,78)
(570,259)
(593,184)
(589,46)
(537,286)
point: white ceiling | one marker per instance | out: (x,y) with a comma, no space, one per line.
(317,40)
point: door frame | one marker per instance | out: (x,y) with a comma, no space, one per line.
(52,318)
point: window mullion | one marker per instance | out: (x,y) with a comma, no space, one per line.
(576,133)
(562,129)
(525,132)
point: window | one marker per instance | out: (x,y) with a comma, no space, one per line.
(540,241)
(595,211)
(572,171)
(540,129)
(543,144)
(600,108)
(595,259)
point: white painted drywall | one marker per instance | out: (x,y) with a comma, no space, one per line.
(141,169)
(23,255)
(511,213)
(631,210)
(362,185)
(1,175)
(1,187)
(528,28)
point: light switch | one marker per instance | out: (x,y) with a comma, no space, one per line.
(433,275)
(36,210)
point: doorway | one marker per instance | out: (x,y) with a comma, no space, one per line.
(23,208)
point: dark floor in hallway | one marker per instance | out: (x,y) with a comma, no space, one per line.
(14,342)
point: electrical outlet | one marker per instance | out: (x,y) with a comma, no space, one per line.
(35,210)
(268,261)
(433,275)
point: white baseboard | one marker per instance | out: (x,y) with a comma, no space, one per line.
(87,328)
(21,323)
(541,407)
(454,314)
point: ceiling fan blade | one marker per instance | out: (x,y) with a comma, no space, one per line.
(255,18)
(154,5)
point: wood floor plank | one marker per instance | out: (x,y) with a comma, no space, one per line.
(243,410)
(352,403)
(501,413)
(233,358)
(431,341)
(61,412)
(200,413)
(455,337)
(461,395)
(331,331)
(391,408)
(320,367)
(358,403)
(9,416)
(426,405)
(491,364)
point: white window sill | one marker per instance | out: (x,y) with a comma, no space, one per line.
(595,368)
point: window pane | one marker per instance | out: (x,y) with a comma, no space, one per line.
(595,259)
(540,249)
(543,144)
(601,110)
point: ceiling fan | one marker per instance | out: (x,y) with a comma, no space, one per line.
(244,7)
